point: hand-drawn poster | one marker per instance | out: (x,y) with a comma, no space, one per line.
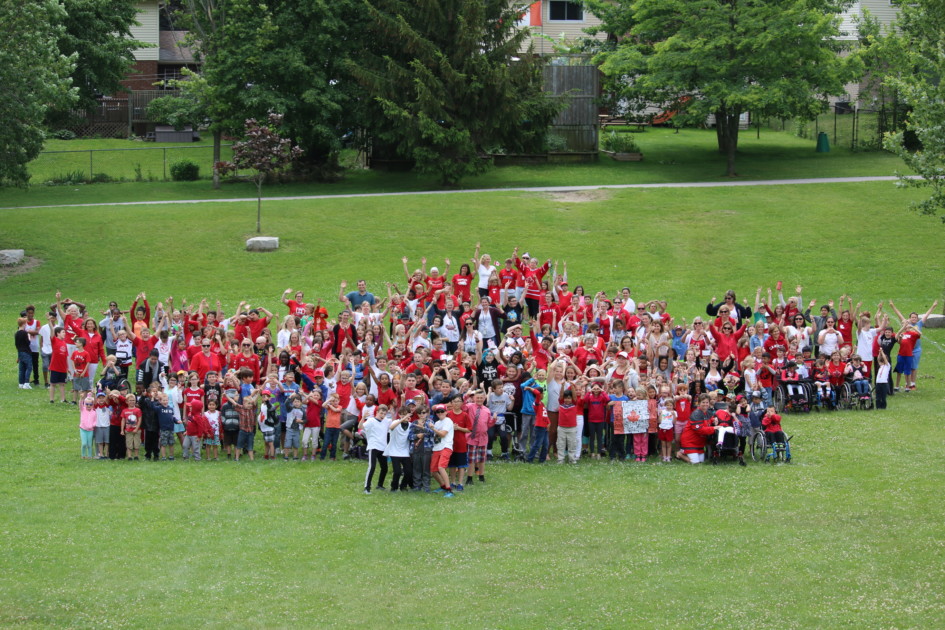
(636,416)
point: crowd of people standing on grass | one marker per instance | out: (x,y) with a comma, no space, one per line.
(438,369)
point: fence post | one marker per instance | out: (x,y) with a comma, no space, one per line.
(835,126)
(165,162)
(90,166)
(853,133)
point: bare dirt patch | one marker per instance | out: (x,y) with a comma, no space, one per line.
(579,196)
(29,264)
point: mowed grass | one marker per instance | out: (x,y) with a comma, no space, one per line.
(690,155)
(849,535)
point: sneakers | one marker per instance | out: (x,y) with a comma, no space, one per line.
(448,495)
(366,491)
(482,478)
(458,487)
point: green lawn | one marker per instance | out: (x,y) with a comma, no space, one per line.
(690,155)
(849,535)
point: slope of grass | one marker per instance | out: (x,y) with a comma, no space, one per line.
(846,536)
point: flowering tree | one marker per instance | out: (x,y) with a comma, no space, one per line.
(263,151)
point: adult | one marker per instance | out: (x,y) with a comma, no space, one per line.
(354,298)
(486,320)
(484,270)
(32,329)
(297,307)
(829,339)
(532,275)
(919,323)
(741,311)
(24,358)
(205,360)
(820,321)
(111,331)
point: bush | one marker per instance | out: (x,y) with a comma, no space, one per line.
(62,134)
(185,171)
(619,143)
(101,178)
(555,143)
(73,177)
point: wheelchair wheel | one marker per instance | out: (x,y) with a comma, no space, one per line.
(758,447)
(845,396)
(777,399)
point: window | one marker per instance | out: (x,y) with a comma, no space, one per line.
(561,11)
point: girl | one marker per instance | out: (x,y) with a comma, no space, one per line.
(882,379)
(87,418)
(829,339)
(836,371)
(667,424)
(332,425)
(713,376)
(821,380)
(212,440)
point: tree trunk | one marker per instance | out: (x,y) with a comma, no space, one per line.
(258,206)
(726,130)
(217,137)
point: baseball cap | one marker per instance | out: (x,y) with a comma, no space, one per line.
(439,408)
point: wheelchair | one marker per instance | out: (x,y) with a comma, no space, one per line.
(858,402)
(764,451)
(799,403)
(728,448)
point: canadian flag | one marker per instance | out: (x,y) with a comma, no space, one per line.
(531,16)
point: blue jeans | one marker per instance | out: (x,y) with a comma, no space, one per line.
(540,441)
(24,366)
(766,396)
(331,441)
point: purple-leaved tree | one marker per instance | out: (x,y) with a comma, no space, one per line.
(263,151)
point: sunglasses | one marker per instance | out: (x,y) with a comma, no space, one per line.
(206,346)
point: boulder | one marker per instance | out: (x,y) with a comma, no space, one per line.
(935,321)
(11,257)
(262,244)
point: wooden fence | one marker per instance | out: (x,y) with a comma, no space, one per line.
(577,123)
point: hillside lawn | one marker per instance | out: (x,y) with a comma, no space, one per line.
(848,535)
(690,155)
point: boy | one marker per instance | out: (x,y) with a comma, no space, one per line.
(313,423)
(247,433)
(103,417)
(230,425)
(294,420)
(194,430)
(459,459)
(442,450)
(80,371)
(166,421)
(375,428)
(569,442)
(131,426)
(540,444)
(268,421)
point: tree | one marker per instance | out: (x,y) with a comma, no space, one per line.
(446,82)
(920,81)
(98,33)
(771,57)
(263,151)
(34,76)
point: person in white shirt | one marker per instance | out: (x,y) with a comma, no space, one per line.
(375,428)
(398,449)
(442,449)
(45,348)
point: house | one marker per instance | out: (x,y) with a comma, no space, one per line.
(560,20)
(167,54)
(886,12)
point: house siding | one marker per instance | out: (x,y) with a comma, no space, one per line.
(148,31)
(570,30)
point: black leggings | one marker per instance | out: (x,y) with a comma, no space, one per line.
(617,446)
(533,309)
(775,436)
(403,473)
(375,458)
(881,391)
(595,440)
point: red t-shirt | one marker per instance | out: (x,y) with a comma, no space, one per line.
(313,415)
(508,276)
(80,361)
(73,326)
(463,421)
(59,362)
(143,349)
(251,362)
(296,308)
(846,331)
(256,327)
(596,407)
(907,342)
(434,285)
(567,416)
(683,408)
(131,419)
(461,286)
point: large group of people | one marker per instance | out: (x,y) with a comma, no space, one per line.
(433,373)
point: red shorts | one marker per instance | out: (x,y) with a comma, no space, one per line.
(440,459)
(666,435)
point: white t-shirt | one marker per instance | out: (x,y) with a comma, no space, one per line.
(45,337)
(864,343)
(484,272)
(34,338)
(398,445)
(375,430)
(446,441)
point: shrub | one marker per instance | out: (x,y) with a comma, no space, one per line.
(185,171)
(101,178)
(619,143)
(62,134)
(73,177)
(556,143)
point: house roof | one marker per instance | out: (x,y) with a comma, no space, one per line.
(172,48)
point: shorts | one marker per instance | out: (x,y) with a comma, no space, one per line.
(666,435)
(291,439)
(440,459)
(166,438)
(230,437)
(81,384)
(678,428)
(101,435)
(269,436)
(696,458)
(477,454)
(245,440)
(211,442)
(178,427)
(348,421)
(904,365)
(132,441)
(458,460)
(57,377)
(46,359)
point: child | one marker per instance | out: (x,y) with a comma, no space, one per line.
(481,421)
(313,423)
(103,417)
(766,377)
(230,424)
(195,429)
(80,371)
(682,407)
(618,440)
(795,390)
(167,419)
(772,426)
(597,404)
(540,444)
(294,419)
(131,426)
(212,441)
(569,441)
(398,449)
(667,427)
(268,420)
(860,374)
(882,379)
(375,429)
(87,426)
(821,380)
(247,435)
(332,425)
(442,450)
(58,362)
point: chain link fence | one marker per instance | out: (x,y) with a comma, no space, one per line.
(851,128)
(131,164)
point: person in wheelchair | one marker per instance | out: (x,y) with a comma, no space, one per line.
(859,373)
(771,422)
(725,440)
(795,390)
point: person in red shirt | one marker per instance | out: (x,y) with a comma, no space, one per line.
(80,371)
(907,337)
(94,346)
(698,429)
(196,429)
(205,361)
(144,343)
(532,274)
(462,425)
(248,359)
(508,279)
(131,426)
(596,405)
(58,362)
(296,307)
(771,422)
(569,442)
(462,283)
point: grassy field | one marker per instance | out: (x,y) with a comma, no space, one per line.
(849,535)
(690,155)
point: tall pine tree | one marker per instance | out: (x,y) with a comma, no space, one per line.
(448,81)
